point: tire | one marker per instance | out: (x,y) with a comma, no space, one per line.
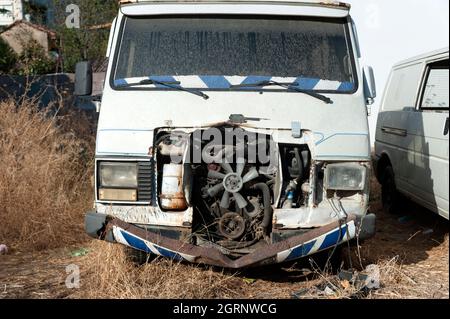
(329,260)
(389,193)
(137,257)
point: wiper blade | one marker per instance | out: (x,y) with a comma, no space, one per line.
(287,85)
(241,119)
(176,85)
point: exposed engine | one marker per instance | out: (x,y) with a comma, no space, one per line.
(232,187)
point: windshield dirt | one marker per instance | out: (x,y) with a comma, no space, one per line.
(218,52)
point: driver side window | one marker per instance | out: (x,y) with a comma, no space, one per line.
(435,92)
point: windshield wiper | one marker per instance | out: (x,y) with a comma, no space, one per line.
(170,84)
(289,86)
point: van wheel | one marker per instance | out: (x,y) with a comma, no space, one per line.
(389,193)
(136,256)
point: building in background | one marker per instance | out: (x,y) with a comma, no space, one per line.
(21,32)
(34,11)
(10,12)
(39,12)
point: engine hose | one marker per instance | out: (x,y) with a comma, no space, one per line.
(268,212)
(300,164)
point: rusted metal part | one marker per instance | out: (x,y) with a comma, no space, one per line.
(172,193)
(336,4)
(173,202)
(214,257)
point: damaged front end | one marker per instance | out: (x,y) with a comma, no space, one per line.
(231,197)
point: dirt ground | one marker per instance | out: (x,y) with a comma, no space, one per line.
(411,247)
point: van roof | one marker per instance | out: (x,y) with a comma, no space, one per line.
(424,56)
(325,3)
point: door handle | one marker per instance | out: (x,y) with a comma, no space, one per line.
(446,127)
(394,131)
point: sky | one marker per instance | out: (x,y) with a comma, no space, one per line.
(393,30)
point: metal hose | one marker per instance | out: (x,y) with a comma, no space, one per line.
(268,212)
(300,164)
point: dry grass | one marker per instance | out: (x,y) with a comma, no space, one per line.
(45,175)
(426,279)
(45,188)
(109,274)
(397,281)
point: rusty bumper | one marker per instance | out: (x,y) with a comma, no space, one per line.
(297,247)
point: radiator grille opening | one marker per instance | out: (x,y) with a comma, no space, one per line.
(145,182)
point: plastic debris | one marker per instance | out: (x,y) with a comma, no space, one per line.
(368,279)
(345,284)
(373,277)
(3,249)
(79,252)
(328,291)
(299,294)
(356,284)
(249,281)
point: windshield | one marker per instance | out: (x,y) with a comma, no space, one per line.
(221,52)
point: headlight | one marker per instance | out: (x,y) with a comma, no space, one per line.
(346,177)
(118,175)
(122,195)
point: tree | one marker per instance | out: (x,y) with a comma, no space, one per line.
(87,42)
(37,11)
(33,60)
(7,57)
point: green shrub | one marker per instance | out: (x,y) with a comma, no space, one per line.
(34,61)
(7,58)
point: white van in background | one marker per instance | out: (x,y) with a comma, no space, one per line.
(411,147)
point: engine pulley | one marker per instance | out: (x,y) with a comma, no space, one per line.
(232,226)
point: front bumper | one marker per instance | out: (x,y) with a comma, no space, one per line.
(111,229)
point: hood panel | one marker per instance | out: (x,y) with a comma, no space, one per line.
(128,118)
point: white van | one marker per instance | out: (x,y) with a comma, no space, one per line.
(232,133)
(412,133)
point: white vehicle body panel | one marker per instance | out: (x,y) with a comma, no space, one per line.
(412,138)
(128,119)
(342,124)
(310,9)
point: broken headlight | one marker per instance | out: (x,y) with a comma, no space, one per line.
(345,176)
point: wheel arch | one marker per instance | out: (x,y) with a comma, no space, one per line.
(383,162)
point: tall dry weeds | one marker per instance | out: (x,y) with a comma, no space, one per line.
(45,176)
(109,274)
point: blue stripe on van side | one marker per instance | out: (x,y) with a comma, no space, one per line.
(301,251)
(307,83)
(220,82)
(334,238)
(345,87)
(215,82)
(135,242)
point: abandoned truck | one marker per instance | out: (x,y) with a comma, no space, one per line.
(232,133)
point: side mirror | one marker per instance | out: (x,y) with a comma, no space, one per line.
(370,91)
(83,79)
